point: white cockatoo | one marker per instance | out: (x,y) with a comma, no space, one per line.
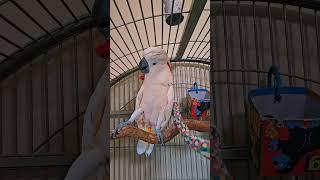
(94,157)
(155,98)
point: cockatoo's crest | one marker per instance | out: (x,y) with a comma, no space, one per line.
(157,59)
(156,53)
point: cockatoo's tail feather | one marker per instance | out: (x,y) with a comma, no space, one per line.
(144,147)
(149,150)
(141,147)
(150,146)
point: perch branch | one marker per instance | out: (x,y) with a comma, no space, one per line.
(168,133)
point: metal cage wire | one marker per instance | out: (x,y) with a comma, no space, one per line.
(246,38)
(30,28)
(250,36)
(172,161)
(134,27)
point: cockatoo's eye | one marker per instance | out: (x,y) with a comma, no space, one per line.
(154,63)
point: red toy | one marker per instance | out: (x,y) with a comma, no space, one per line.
(200,101)
(103,50)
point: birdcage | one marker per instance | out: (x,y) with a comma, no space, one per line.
(248,38)
(136,26)
(49,70)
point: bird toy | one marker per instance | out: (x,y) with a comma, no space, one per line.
(200,145)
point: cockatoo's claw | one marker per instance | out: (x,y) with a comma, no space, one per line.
(120,126)
(113,135)
(159,136)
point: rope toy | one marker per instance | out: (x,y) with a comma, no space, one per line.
(200,145)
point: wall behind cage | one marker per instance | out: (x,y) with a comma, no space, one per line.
(174,160)
(247,41)
(41,97)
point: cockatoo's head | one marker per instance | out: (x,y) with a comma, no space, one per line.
(154,60)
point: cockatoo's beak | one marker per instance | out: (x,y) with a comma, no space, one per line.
(144,66)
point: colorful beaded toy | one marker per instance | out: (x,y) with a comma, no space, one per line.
(201,145)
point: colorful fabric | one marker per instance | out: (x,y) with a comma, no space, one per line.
(200,101)
(201,145)
(282,142)
(199,108)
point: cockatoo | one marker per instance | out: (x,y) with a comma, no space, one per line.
(94,157)
(154,100)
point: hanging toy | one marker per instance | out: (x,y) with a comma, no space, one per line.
(200,101)
(173,11)
(200,145)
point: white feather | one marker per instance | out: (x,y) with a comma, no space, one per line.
(93,157)
(141,147)
(156,94)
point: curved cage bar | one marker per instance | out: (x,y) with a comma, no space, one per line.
(135,27)
(42,108)
(27,28)
(49,70)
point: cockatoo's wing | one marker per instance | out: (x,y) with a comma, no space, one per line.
(141,146)
(168,108)
(86,164)
(139,97)
(93,115)
(94,141)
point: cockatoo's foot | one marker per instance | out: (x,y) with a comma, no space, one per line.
(159,136)
(119,127)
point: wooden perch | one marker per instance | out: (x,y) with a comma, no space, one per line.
(168,133)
